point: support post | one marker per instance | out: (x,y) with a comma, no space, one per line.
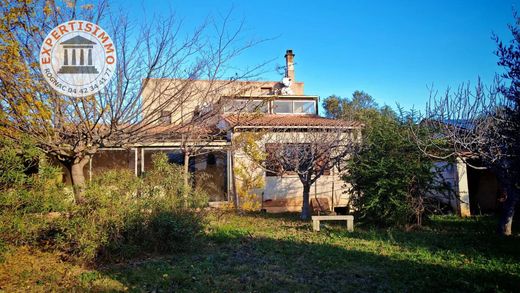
(142,161)
(233,187)
(228,174)
(462,176)
(332,202)
(136,163)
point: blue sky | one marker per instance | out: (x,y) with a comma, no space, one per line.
(392,50)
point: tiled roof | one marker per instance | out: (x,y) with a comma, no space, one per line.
(190,129)
(281,120)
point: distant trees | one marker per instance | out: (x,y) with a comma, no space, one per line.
(71,130)
(359,107)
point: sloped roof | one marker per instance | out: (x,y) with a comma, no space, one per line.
(288,120)
(175,131)
(460,123)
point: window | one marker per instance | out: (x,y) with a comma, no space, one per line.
(175,157)
(234,106)
(290,157)
(245,106)
(256,107)
(283,107)
(166,117)
(294,107)
(304,107)
(272,164)
(266,90)
(322,163)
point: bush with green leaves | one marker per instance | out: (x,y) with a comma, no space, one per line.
(122,215)
(391,179)
(16,160)
(166,180)
(27,193)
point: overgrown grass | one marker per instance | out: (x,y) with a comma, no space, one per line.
(273,253)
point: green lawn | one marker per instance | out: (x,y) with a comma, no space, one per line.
(266,253)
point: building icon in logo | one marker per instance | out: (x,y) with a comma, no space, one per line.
(77,56)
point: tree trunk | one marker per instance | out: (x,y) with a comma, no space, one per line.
(508,210)
(186,177)
(306,210)
(78,178)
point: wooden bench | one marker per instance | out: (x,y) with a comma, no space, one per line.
(316,221)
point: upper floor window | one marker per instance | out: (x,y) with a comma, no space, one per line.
(304,107)
(246,106)
(294,107)
(282,107)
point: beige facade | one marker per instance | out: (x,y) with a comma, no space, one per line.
(182,99)
(284,193)
(179,100)
(286,114)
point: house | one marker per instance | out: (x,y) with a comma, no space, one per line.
(476,191)
(200,129)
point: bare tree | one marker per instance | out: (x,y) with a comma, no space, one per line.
(309,153)
(468,124)
(128,110)
(483,123)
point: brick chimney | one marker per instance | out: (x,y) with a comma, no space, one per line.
(289,64)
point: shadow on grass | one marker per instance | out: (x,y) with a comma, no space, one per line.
(239,261)
(475,237)
(473,225)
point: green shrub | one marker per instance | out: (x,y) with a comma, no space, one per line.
(391,178)
(27,181)
(166,181)
(169,231)
(121,216)
(30,195)
(16,161)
